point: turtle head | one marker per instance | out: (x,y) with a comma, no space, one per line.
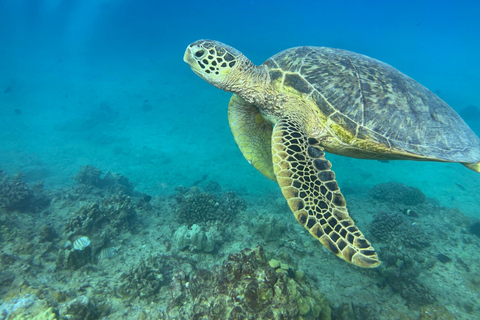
(216,63)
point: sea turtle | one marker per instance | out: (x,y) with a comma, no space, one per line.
(285,113)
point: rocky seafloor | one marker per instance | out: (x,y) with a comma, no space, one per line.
(101,250)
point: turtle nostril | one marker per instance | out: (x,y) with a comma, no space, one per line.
(199,53)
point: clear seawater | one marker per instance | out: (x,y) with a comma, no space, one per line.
(103,83)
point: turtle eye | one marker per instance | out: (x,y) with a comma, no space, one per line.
(199,53)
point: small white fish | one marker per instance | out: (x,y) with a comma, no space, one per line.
(106,253)
(81,243)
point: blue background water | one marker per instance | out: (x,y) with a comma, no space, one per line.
(103,83)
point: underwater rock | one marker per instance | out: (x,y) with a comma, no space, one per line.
(195,206)
(14,193)
(47,233)
(435,312)
(195,238)
(6,279)
(244,287)
(213,187)
(397,193)
(350,311)
(146,279)
(80,308)
(115,183)
(6,260)
(90,176)
(71,259)
(269,227)
(475,228)
(112,182)
(27,307)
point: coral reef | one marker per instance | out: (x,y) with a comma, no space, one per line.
(140,264)
(195,206)
(146,279)
(401,271)
(119,211)
(195,238)
(402,267)
(28,307)
(396,228)
(46,304)
(112,182)
(397,193)
(17,195)
(116,212)
(245,286)
(90,176)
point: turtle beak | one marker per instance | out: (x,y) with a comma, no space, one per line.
(187,57)
(192,62)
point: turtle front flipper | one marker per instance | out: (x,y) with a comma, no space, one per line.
(309,185)
(252,134)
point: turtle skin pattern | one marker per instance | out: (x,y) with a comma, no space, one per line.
(308,184)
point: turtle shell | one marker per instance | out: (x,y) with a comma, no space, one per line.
(375,101)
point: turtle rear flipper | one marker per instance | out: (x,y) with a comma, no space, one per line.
(473,166)
(308,184)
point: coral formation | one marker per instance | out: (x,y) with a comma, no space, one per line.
(90,176)
(38,304)
(394,227)
(28,307)
(397,193)
(245,286)
(401,272)
(403,267)
(117,212)
(17,195)
(141,264)
(112,182)
(146,279)
(195,206)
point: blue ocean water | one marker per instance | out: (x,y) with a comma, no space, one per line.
(103,83)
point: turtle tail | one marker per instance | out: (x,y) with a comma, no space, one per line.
(475,166)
